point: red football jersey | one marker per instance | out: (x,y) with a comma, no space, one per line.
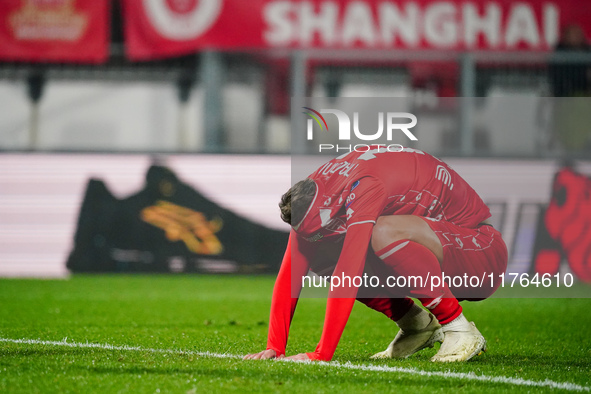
(361,186)
(352,191)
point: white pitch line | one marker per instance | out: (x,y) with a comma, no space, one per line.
(375,368)
(64,342)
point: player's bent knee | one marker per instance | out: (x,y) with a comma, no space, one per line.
(386,232)
(390,229)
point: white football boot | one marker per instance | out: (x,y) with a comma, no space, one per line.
(461,342)
(418,330)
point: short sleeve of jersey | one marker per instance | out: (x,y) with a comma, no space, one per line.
(364,201)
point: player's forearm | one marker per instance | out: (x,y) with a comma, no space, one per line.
(338,311)
(341,299)
(279,322)
(282,304)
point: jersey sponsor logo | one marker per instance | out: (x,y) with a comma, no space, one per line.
(350,213)
(444,176)
(349,200)
(335,225)
(324,217)
(314,238)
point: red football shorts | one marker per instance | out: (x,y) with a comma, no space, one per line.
(474,259)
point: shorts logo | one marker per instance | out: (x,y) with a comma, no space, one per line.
(433,205)
(436,219)
(444,176)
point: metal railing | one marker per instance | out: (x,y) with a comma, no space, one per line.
(479,80)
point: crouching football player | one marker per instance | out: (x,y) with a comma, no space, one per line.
(390,215)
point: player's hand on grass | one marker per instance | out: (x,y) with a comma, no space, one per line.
(299,357)
(264,355)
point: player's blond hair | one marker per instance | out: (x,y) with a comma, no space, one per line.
(295,202)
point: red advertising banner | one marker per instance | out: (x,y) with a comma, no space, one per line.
(54,30)
(160,28)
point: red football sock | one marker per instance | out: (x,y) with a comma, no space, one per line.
(410,259)
(394,308)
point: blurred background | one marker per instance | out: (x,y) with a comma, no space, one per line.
(177,100)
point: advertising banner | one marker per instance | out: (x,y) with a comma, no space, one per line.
(101,212)
(54,31)
(160,28)
(168,227)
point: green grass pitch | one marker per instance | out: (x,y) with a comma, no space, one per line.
(533,340)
